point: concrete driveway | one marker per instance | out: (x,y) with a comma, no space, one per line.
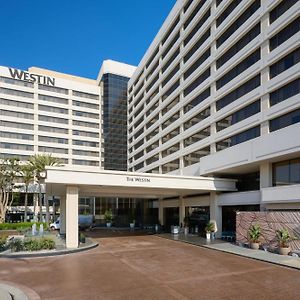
(148,267)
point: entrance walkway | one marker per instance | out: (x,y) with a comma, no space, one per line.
(149,267)
(287,261)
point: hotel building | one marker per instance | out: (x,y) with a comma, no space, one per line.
(217,94)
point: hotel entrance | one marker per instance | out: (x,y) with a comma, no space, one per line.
(171,217)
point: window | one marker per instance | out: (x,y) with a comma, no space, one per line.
(239,22)
(170,105)
(280,9)
(151,84)
(285,34)
(85,95)
(170,135)
(239,115)
(85,104)
(197,100)
(16,103)
(227,11)
(18,136)
(85,114)
(53,109)
(197,118)
(85,143)
(86,133)
(53,129)
(197,45)
(153,146)
(53,99)
(239,45)
(170,150)
(16,125)
(53,119)
(16,93)
(171,75)
(285,120)
(196,137)
(239,138)
(171,120)
(152,159)
(197,27)
(152,108)
(197,64)
(170,60)
(152,134)
(194,13)
(170,166)
(85,162)
(56,140)
(53,89)
(139,166)
(239,68)
(286,172)
(239,92)
(16,82)
(16,146)
(85,124)
(285,63)
(15,114)
(289,90)
(188,4)
(172,27)
(194,157)
(171,44)
(170,90)
(85,153)
(152,70)
(201,78)
(53,150)
(152,57)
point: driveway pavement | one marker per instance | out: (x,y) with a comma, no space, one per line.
(148,267)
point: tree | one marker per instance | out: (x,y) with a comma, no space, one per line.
(27,172)
(39,162)
(9,171)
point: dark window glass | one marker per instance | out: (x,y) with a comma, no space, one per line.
(152,70)
(196,137)
(151,84)
(198,99)
(280,9)
(239,45)
(193,14)
(285,34)
(218,2)
(188,4)
(285,63)
(194,157)
(286,172)
(197,27)
(239,68)
(152,57)
(170,90)
(197,118)
(170,135)
(197,45)
(170,105)
(197,63)
(171,44)
(174,24)
(228,10)
(170,166)
(170,60)
(285,120)
(201,78)
(170,150)
(171,75)
(239,22)
(239,115)
(287,91)
(239,92)
(171,120)
(239,138)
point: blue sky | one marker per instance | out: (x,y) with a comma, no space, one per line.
(75,36)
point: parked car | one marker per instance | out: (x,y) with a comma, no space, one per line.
(84,222)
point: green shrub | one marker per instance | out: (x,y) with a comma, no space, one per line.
(254,233)
(3,239)
(16,245)
(39,244)
(21,226)
(47,243)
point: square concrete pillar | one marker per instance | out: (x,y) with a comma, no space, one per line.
(62,217)
(181,211)
(160,212)
(215,213)
(72,217)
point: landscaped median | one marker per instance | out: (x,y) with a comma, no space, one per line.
(23,240)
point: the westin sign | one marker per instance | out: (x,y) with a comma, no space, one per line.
(26,76)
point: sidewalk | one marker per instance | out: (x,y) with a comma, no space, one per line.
(220,245)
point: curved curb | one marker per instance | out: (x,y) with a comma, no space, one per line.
(48,253)
(18,291)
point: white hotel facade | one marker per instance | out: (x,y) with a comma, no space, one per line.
(214,102)
(217,94)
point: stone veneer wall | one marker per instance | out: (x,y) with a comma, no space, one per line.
(270,222)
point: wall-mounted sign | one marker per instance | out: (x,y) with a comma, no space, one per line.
(138,179)
(26,76)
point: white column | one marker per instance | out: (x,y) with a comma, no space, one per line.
(62,217)
(265,179)
(160,211)
(215,213)
(72,217)
(181,211)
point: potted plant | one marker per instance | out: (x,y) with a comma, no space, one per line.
(131,219)
(284,237)
(186,222)
(209,228)
(108,215)
(82,237)
(254,235)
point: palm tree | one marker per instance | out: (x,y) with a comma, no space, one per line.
(27,175)
(39,162)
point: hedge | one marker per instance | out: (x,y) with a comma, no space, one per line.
(21,225)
